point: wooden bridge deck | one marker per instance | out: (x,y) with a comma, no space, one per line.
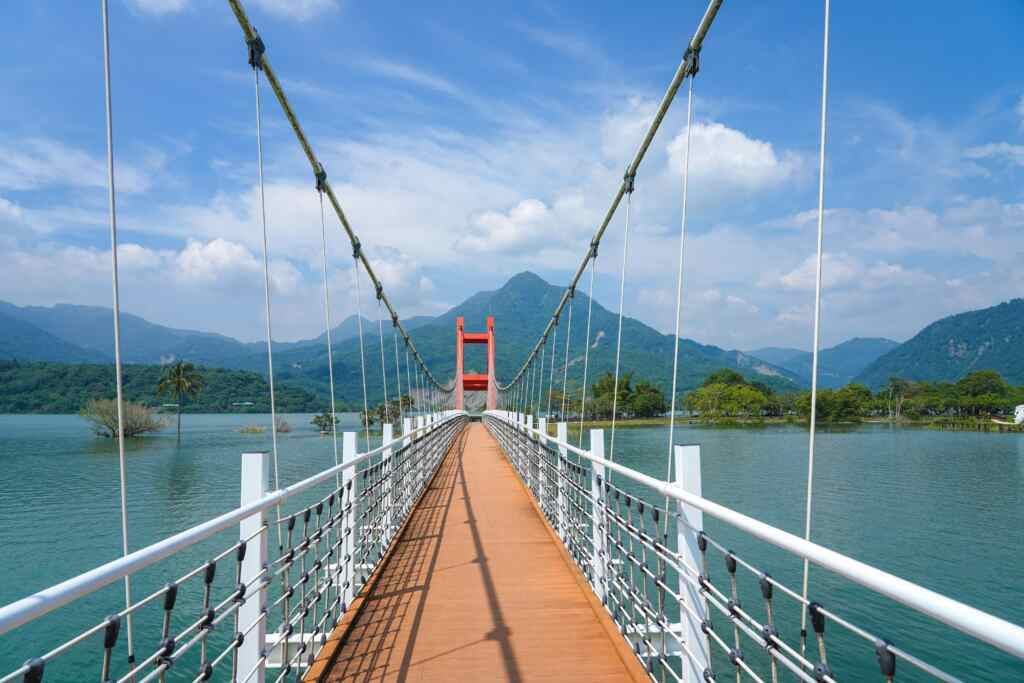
(476,588)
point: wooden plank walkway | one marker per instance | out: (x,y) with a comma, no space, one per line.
(477,588)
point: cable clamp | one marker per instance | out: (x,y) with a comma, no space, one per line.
(691,59)
(394,320)
(357,247)
(111,630)
(817,617)
(630,180)
(256,50)
(886,659)
(380,291)
(321,178)
(594,244)
(822,671)
(34,672)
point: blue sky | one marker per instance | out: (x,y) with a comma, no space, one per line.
(468,143)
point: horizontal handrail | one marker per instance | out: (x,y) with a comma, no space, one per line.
(1000,633)
(36,605)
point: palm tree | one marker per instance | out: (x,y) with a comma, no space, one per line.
(181,380)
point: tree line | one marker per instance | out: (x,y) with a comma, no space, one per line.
(983,393)
(727,394)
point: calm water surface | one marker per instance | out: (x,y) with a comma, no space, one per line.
(943,509)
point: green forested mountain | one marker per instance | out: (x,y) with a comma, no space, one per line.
(837,366)
(67,333)
(948,349)
(20,339)
(29,387)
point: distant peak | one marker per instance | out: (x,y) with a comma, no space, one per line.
(525,278)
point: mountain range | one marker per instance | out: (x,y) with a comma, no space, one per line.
(948,349)
(837,366)
(986,339)
(521,307)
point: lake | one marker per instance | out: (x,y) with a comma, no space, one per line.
(943,509)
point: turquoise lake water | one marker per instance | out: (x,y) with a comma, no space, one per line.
(943,509)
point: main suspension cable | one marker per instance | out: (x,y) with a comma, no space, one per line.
(817,320)
(115,281)
(255,43)
(666,101)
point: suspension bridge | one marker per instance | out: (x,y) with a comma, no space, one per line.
(509,544)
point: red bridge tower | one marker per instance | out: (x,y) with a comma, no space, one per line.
(464,382)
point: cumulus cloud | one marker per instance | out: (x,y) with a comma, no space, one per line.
(726,161)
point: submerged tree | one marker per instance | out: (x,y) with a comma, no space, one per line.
(101,413)
(180,380)
(325,422)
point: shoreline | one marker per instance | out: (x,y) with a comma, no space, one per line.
(942,423)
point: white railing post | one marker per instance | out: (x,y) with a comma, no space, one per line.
(255,475)
(406,430)
(560,516)
(691,521)
(349,449)
(388,436)
(600,554)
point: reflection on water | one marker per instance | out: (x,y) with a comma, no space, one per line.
(944,509)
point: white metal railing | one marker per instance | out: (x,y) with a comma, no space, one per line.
(327,551)
(621,544)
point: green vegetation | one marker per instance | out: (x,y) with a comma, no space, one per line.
(983,394)
(102,415)
(388,412)
(36,387)
(325,422)
(180,380)
(643,400)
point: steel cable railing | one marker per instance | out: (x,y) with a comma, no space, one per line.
(249,608)
(655,589)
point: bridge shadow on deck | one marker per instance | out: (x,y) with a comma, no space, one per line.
(475,589)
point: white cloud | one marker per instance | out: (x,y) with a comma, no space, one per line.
(1013,154)
(411,74)
(725,161)
(35,163)
(297,10)
(158,7)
